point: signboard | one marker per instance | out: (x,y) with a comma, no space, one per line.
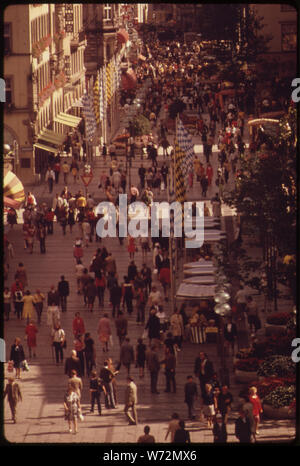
(87,178)
(87,175)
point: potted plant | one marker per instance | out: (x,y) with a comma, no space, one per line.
(276,323)
(276,405)
(245,370)
(269,384)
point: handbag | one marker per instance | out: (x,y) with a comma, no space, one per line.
(64,344)
(25,366)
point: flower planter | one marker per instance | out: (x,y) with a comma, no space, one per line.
(277,413)
(244,376)
(272,329)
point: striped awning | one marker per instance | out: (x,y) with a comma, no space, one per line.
(68,120)
(53,138)
(13,191)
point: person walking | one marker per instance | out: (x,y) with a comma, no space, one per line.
(177,328)
(72,364)
(72,408)
(90,353)
(104,332)
(140,357)
(131,401)
(257,408)
(30,332)
(252,314)
(209,404)
(190,396)
(13,393)
(58,342)
(41,236)
(182,435)
(121,324)
(225,400)
(230,334)
(146,438)
(18,300)
(28,308)
(21,275)
(219,429)
(127,354)
(96,388)
(17,355)
(78,345)
(203,369)
(50,178)
(153,366)
(172,427)
(38,301)
(242,427)
(170,370)
(7,295)
(78,325)
(106,376)
(63,291)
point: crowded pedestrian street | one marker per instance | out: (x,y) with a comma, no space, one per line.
(125,340)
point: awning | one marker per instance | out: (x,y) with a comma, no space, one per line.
(122,36)
(192,291)
(68,120)
(52,137)
(128,79)
(13,191)
(200,280)
(43,147)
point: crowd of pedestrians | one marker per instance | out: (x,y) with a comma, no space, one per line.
(143,293)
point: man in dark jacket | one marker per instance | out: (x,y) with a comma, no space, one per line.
(170,368)
(63,291)
(121,327)
(127,354)
(153,365)
(243,427)
(53,297)
(203,369)
(191,394)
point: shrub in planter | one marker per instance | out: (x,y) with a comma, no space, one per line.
(281,396)
(269,384)
(277,365)
(279,318)
(249,365)
(280,345)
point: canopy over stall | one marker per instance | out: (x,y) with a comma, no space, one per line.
(195,291)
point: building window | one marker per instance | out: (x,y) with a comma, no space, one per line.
(7,38)
(289,37)
(25,162)
(8,90)
(285,8)
(107,12)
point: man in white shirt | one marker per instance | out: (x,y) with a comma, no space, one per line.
(241,301)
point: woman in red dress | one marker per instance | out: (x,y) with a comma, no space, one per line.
(131,247)
(31,332)
(257,407)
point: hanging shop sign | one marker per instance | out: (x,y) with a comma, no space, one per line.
(69,17)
